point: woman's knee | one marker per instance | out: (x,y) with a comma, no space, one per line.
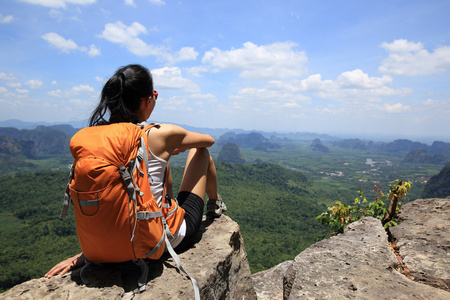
(200,155)
(199,151)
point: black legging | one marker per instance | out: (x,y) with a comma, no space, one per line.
(193,206)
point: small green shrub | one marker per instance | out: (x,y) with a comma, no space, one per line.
(384,207)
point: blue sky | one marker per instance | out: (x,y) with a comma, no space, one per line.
(358,67)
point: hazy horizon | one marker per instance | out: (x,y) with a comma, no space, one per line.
(338,135)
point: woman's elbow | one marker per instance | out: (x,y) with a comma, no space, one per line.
(211,140)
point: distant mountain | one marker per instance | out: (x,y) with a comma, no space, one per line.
(42,140)
(230,153)
(404,145)
(439,185)
(16,147)
(439,147)
(318,146)
(321,148)
(248,140)
(422,157)
(401,146)
(351,144)
(32,125)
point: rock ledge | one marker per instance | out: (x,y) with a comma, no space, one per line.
(218,262)
(360,263)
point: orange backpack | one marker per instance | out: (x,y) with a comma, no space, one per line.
(116,214)
(117,217)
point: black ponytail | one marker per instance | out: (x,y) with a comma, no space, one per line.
(121,96)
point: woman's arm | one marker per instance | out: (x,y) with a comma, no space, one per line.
(66,265)
(171,139)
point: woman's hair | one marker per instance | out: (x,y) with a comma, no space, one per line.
(121,95)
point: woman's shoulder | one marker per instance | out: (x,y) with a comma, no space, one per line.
(167,129)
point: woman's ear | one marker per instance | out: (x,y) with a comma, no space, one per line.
(146,101)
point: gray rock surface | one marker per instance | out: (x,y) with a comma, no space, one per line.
(217,261)
(269,283)
(423,239)
(358,264)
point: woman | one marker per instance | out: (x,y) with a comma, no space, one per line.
(128,96)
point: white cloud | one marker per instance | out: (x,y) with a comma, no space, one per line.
(396,108)
(430,102)
(5,76)
(127,36)
(195,71)
(157,2)
(410,59)
(83,88)
(59,3)
(121,34)
(298,116)
(256,99)
(205,97)
(22,91)
(436,107)
(72,91)
(34,84)
(292,105)
(14,84)
(59,93)
(61,16)
(6,19)
(80,102)
(187,101)
(130,3)
(67,45)
(351,86)
(174,103)
(56,14)
(273,61)
(358,79)
(93,51)
(185,53)
(402,46)
(3,89)
(171,78)
(59,42)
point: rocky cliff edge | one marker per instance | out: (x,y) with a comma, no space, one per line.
(363,263)
(218,262)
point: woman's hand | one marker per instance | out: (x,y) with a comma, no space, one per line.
(66,265)
(178,151)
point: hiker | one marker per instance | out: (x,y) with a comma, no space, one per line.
(128,96)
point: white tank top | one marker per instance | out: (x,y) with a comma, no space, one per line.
(156,169)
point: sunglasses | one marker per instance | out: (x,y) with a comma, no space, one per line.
(155,94)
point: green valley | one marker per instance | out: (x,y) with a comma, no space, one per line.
(275,196)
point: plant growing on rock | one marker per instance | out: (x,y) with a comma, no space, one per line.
(384,207)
